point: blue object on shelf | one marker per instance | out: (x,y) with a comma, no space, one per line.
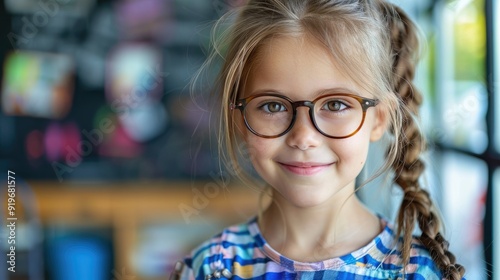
(78,258)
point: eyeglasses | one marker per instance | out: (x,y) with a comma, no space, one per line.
(338,115)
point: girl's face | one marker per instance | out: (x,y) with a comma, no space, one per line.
(304,167)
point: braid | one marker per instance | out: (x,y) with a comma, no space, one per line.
(416,207)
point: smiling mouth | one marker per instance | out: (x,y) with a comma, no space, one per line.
(305,168)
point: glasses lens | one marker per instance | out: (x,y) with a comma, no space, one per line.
(338,115)
(268,115)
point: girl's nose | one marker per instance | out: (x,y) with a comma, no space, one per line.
(303,134)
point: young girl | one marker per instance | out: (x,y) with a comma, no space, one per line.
(306,85)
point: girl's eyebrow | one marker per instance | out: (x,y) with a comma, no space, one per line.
(335,90)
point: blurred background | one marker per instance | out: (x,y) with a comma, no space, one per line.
(114,162)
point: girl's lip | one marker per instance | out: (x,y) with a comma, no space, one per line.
(305,168)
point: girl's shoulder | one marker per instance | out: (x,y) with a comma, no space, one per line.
(236,236)
(382,257)
(421,264)
(218,254)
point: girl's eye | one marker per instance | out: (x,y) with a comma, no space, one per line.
(334,106)
(273,107)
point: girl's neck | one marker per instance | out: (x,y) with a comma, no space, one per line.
(317,233)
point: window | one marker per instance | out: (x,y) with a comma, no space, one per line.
(462,117)
(461,93)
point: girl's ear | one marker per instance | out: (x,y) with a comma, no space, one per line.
(380,123)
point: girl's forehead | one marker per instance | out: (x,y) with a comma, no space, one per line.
(299,45)
(297,67)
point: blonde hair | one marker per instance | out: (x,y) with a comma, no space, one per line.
(381,62)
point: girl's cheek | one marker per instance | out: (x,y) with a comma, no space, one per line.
(355,146)
(257,146)
(261,149)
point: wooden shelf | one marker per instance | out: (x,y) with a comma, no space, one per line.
(125,206)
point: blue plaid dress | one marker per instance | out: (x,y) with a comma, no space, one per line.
(240,252)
